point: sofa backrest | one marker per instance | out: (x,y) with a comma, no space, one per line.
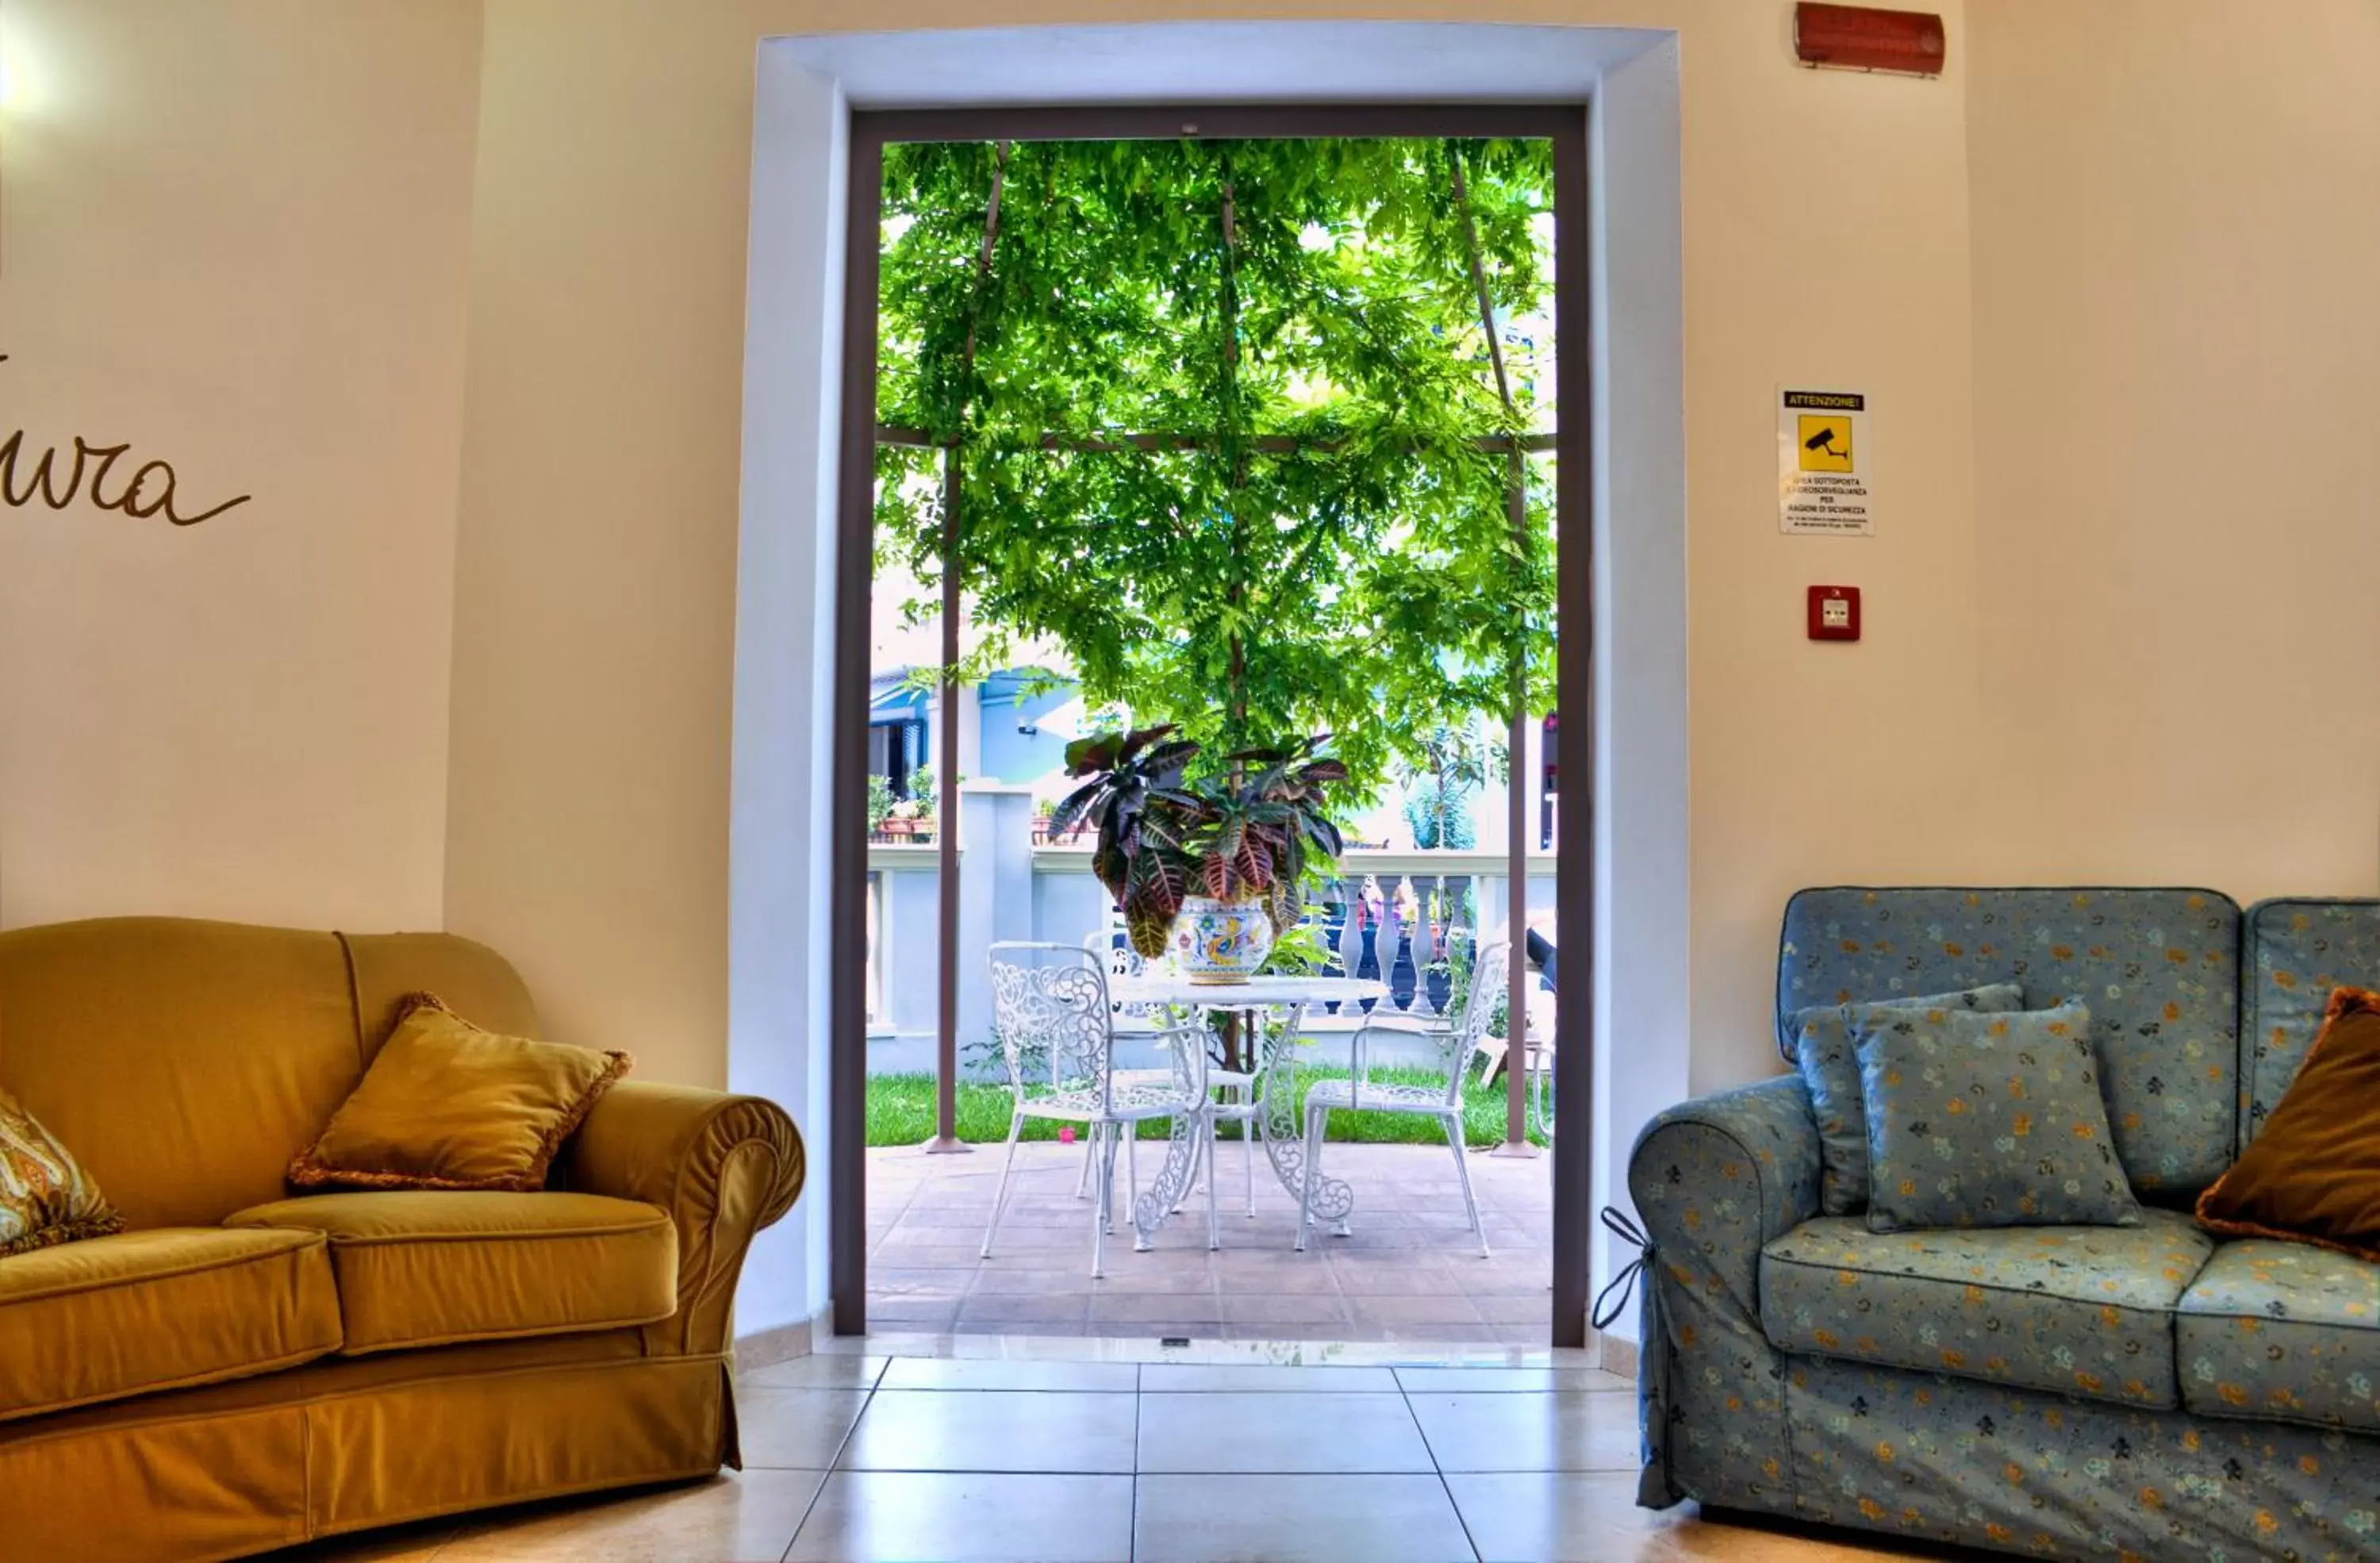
(2159,969)
(2297,950)
(184,1062)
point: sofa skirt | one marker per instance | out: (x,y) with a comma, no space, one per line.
(348,1445)
(1948,1460)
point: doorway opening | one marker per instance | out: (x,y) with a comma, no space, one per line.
(1242,425)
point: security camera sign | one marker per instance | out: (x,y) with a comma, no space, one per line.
(1826,455)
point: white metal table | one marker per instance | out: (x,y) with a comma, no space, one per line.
(1284,1141)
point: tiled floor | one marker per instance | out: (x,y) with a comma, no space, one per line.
(1411,1271)
(852,1457)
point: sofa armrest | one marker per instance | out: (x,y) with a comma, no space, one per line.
(724,1166)
(1714,1179)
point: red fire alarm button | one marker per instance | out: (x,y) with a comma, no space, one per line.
(1834,613)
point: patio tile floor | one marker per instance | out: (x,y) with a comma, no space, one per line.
(1410,1272)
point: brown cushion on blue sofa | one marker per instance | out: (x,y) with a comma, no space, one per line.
(2313,1173)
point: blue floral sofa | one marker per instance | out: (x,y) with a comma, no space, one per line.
(2141,1392)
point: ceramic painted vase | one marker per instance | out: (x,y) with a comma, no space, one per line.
(1219,943)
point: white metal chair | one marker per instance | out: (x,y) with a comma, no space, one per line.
(1142,1022)
(1537,1047)
(1057,1037)
(1360,1092)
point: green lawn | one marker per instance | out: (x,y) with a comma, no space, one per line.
(901,1112)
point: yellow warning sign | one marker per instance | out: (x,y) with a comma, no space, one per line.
(1825,486)
(1826,440)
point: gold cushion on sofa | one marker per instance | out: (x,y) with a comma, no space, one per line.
(424,1267)
(446,1105)
(157,1310)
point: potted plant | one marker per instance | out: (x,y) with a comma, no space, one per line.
(1212,868)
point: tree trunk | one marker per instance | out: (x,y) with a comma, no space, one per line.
(946,1027)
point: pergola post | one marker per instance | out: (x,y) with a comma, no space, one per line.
(945,1139)
(1516,735)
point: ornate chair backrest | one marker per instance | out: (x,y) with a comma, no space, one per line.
(1490,970)
(1050,1005)
(1491,973)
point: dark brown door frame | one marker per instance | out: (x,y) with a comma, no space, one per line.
(1565,126)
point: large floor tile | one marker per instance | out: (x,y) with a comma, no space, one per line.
(1015,1430)
(1386,1275)
(1272,1275)
(795,1429)
(1058,1316)
(1529,1431)
(732,1519)
(1511,1380)
(1297,1308)
(995,1372)
(892,1517)
(1505,1276)
(1394,1310)
(912,1315)
(993,1283)
(1536,1308)
(885,1281)
(1210,1378)
(1593,1518)
(820,1370)
(1136,1310)
(1340,1519)
(1295,1332)
(1234,1432)
(1168,1272)
(901,1251)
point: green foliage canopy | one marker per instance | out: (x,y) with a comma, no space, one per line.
(1315,540)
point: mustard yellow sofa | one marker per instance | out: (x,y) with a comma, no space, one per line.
(240,1370)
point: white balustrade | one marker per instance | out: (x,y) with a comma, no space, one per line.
(1398,914)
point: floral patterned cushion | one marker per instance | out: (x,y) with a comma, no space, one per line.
(1822,1049)
(1987,1121)
(2158,967)
(2081,1311)
(2283,1331)
(45,1195)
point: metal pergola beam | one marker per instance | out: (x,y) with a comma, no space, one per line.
(1265,445)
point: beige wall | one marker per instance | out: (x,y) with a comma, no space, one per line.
(595,588)
(2177,220)
(235,237)
(1826,242)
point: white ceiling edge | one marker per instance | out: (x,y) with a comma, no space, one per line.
(1219,63)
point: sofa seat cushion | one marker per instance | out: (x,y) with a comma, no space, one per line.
(2081,1311)
(160,1309)
(2282,1331)
(426,1268)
